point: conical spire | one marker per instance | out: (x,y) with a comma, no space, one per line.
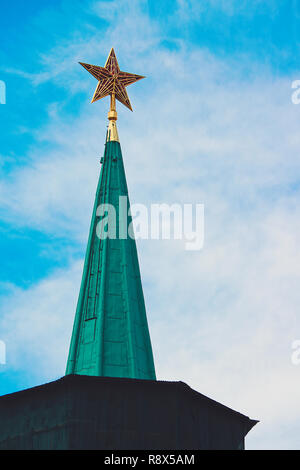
(110,333)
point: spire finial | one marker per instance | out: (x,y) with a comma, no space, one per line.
(112,82)
(110,334)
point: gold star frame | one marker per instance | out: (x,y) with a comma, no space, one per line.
(112,81)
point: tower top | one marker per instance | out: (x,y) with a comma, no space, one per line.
(112,82)
(110,333)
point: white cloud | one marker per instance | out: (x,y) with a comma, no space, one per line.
(194,8)
(203,130)
(36,324)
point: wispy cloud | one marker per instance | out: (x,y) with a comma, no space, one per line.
(36,324)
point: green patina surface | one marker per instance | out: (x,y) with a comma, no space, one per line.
(110,334)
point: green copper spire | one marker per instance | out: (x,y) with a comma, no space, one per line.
(110,333)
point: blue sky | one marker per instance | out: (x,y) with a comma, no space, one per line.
(213,123)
